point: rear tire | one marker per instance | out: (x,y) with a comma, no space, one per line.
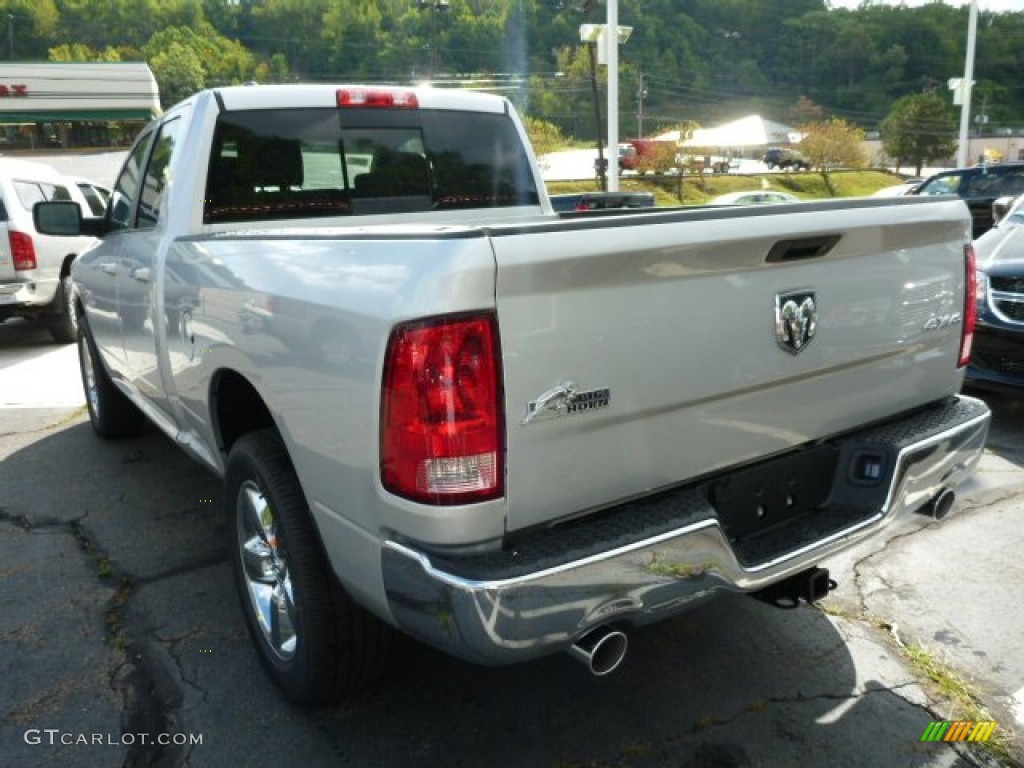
(316,643)
(112,414)
(63,323)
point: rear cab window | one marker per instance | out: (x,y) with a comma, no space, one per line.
(316,162)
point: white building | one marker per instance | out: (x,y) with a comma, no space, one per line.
(72,104)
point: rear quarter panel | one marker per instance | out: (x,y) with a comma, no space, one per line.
(306,318)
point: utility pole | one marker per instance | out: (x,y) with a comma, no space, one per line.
(10,36)
(982,117)
(965,108)
(640,93)
(435,7)
(601,166)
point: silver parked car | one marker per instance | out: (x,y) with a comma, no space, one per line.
(755,197)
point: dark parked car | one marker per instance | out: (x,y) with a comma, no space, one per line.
(780,157)
(979,187)
(997,359)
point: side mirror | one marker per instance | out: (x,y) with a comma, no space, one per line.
(64,219)
(1000,207)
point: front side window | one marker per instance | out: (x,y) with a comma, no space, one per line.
(157,175)
(126,189)
(278,164)
(942,185)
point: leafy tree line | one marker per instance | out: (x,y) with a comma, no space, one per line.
(697,60)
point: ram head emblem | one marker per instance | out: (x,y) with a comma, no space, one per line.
(796,320)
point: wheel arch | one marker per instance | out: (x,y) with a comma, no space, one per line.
(65,265)
(236,408)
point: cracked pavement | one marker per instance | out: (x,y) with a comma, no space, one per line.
(121,619)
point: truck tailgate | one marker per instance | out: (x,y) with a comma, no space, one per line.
(642,351)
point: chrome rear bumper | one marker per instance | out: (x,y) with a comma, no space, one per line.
(527,603)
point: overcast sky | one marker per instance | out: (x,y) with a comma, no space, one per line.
(998,6)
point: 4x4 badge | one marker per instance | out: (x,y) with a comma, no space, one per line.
(796,320)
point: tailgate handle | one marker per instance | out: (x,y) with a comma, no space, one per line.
(803,248)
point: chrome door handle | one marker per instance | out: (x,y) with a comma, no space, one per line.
(142,274)
(109,267)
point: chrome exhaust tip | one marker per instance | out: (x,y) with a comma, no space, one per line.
(601,651)
(942,504)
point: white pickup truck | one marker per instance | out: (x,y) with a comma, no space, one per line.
(439,406)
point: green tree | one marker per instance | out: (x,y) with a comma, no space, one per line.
(830,144)
(178,72)
(544,136)
(82,52)
(221,61)
(918,129)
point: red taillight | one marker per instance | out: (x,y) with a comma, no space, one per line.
(371,97)
(442,438)
(23,250)
(970,305)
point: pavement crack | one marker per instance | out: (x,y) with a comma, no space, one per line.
(40,523)
(143,697)
(143,709)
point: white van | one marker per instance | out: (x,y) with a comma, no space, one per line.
(35,269)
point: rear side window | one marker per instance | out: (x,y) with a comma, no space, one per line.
(997,181)
(281,164)
(32,192)
(29,193)
(991,183)
(96,204)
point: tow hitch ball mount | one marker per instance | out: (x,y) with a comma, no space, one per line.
(810,586)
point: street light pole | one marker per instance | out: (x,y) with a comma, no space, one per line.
(612,41)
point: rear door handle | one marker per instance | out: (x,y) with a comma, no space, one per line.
(142,274)
(109,267)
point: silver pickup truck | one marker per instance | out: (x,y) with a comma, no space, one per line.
(439,406)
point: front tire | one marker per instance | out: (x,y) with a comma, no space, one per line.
(111,413)
(312,638)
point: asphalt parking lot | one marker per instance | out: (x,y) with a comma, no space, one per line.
(122,642)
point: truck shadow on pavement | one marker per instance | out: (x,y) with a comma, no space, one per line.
(1006,433)
(733,683)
